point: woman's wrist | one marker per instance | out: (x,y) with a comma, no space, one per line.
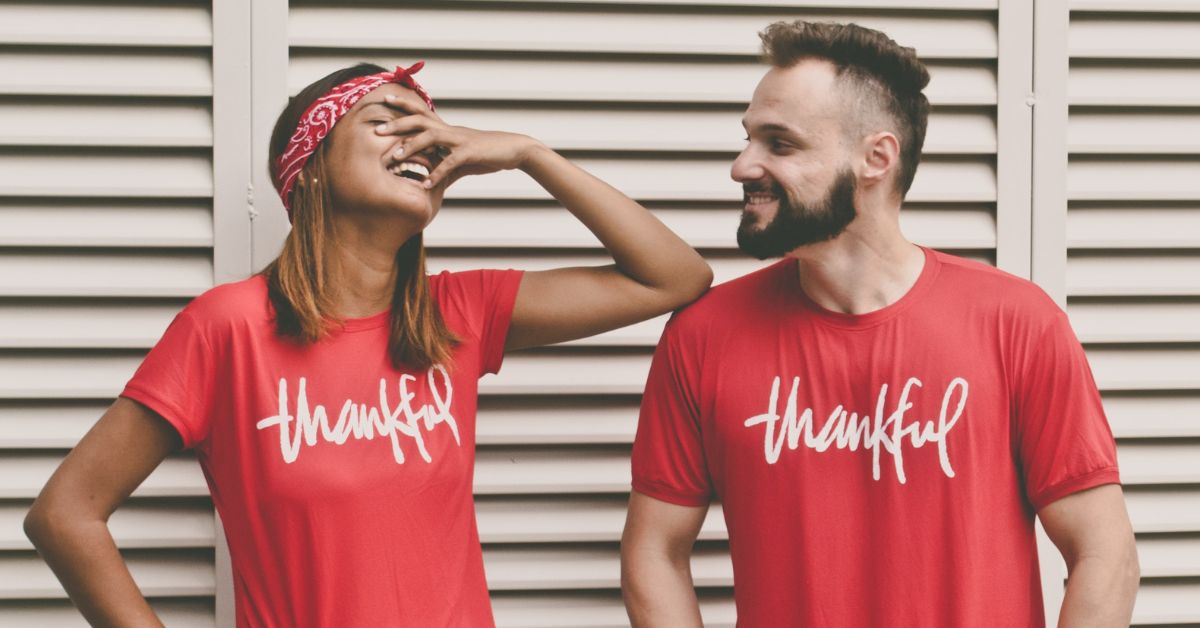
(533,152)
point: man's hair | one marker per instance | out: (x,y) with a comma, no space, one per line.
(883,75)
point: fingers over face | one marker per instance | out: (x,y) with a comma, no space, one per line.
(443,170)
(403,126)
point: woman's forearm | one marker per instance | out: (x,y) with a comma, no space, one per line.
(85,558)
(642,246)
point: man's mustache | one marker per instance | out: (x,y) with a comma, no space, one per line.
(761,187)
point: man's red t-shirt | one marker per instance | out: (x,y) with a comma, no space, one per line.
(881,469)
(344,485)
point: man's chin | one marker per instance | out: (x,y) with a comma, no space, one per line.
(753,243)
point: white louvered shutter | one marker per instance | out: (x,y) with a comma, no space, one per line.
(1133,269)
(107,186)
(105,231)
(649,98)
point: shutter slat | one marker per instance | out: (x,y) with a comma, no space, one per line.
(1163,509)
(31,223)
(1159,463)
(659,129)
(1166,602)
(104,274)
(1133,226)
(1093,178)
(124,122)
(92,172)
(475,225)
(542,420)
(1134,84)
(136,524)
(81,23)
(1145,367)
(615,79)
(584,568)
(560,519)
(26,576)
(1129,320)
(1154,415)
(189,613)
(1134,131)
(611,31)
(1125,37)
(538,471)
(961,180)
(1169,556)
(104,72)
(47,425)
(573,609)
(1133,274)
(66,324)
(23,474)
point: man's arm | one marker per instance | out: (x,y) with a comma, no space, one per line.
(656,570)
(1091,528)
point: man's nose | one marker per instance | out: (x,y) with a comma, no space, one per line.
(746,167)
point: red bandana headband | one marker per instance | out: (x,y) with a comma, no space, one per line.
(318,120)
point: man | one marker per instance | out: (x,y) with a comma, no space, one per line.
(881,422)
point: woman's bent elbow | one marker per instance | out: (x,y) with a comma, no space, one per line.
(695,283)
(36,525)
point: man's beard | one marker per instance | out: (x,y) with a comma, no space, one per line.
(796,225)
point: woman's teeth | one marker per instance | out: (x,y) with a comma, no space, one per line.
(410,170)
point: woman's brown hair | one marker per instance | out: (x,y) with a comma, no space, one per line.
(299,280)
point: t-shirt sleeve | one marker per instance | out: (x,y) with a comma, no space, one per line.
(176,379)
(1064,440)
(486,298)
(668,451)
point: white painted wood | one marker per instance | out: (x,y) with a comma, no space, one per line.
(105,24)
(605,80)
(609,30)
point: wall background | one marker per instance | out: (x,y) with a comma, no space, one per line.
(1064,146)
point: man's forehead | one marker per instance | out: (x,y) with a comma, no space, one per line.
(800,96)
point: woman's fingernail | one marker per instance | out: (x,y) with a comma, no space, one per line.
(380,128)
(399,151)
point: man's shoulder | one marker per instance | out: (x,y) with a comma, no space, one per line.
(985,288)
(725,301)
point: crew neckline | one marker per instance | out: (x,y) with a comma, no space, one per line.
(868,319)
(373,321)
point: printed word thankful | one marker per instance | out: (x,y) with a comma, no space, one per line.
(363,421)
(847,430)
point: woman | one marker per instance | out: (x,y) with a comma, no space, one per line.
(331,399)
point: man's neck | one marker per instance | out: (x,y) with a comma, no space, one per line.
(866,268)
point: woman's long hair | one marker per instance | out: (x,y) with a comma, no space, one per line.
(299,280)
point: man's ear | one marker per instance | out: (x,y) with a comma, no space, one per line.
(881,152)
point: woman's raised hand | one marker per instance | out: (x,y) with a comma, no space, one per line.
(462,151)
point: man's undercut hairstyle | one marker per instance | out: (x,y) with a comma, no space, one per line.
(882,75)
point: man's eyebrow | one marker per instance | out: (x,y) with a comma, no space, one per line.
(775,127)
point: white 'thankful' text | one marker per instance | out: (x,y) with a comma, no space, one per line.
(363,421)
(847,430)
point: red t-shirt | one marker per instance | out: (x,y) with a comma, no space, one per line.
(881,469)
(344,485)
